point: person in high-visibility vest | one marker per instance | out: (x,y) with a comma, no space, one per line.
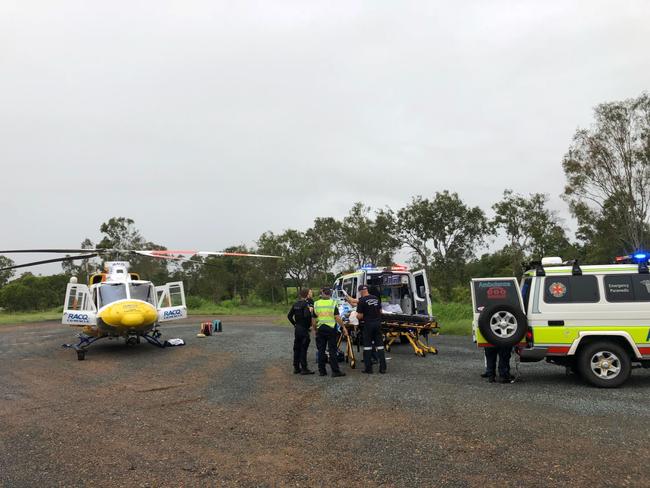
(326,316)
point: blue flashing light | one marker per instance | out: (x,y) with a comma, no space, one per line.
(366,267)
(641,256)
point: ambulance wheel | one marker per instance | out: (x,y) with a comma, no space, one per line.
(502,325)
(604,364)
(81,355)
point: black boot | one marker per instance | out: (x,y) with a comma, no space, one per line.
(367,355)
(382,360)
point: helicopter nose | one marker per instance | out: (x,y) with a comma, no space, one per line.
(129,314)
(132,319)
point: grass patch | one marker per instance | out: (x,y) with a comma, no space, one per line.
(454,318)
(23,317)
(200,306)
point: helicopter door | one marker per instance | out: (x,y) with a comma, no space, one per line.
(422,294)
(171,301)
(79,308)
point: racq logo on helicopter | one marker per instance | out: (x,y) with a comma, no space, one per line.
(80,318)
(172,314)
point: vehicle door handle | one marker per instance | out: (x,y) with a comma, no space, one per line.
(556,322)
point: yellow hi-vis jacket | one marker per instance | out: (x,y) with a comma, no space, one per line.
(324,310)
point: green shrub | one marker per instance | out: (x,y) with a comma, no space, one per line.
(29,293)
(194,302)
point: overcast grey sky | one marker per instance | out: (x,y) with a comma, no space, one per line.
(211,122)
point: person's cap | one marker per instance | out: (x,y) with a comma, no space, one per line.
(326,290)
(362,287)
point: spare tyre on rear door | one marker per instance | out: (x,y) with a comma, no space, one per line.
(502,324)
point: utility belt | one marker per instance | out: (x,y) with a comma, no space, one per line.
(302,326)
(333,327)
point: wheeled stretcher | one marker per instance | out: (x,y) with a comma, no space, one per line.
(412,329)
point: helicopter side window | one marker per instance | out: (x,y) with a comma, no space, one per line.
(141,291)
(110,293)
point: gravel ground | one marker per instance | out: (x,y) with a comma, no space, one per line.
(227,411)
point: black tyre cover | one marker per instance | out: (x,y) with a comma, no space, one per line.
(494,339)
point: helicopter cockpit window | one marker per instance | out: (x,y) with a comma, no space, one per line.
(141,291)
(110,293)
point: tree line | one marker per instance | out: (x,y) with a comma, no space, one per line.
(607,169)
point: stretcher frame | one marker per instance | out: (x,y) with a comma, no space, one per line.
(416,333)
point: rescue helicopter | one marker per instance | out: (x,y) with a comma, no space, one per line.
(116,303)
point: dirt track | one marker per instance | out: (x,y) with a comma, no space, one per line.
(227,410)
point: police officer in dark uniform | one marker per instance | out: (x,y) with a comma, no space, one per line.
(301,315)
(369,315)
(491,355)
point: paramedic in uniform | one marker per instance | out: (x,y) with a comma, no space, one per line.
(369,314)
(326,313)
(300,316)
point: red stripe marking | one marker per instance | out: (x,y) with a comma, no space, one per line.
(558,349)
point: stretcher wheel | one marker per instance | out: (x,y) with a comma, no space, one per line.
(81,355)
(353,364)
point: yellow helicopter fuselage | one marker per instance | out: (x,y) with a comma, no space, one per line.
(123,317)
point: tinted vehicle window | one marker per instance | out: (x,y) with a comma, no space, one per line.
(627,288)
(495,291)
(141,291)
(111,293)
(350,286)
(571,289)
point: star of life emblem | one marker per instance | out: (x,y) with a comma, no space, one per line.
(558,290)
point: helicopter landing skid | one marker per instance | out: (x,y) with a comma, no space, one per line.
(82,346)
(153,338)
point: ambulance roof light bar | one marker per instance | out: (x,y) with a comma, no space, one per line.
(379,269)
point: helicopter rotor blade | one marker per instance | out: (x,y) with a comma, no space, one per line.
(174,258)
(166,253)
(236,254)
(47,261)
(35,251)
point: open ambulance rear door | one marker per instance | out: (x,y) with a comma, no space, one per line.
(498,312)
(422,293)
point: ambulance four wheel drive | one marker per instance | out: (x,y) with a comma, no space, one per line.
(594,320)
